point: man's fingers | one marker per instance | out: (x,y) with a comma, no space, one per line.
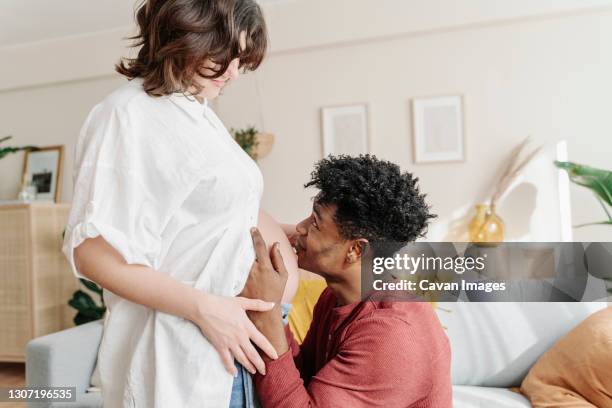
(261,250)
(277,261)
(262,342)
(254,357)
(250,278)
(242,358)
(256,305)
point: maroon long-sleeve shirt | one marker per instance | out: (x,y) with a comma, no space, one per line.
(366,354)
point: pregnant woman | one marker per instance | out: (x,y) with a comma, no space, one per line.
(163,203)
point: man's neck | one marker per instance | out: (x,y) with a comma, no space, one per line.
(347,290)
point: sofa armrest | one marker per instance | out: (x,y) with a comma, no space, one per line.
(64,359)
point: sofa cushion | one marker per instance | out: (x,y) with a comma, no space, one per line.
(577,371)
(495,344)
(477,397)
(306,297)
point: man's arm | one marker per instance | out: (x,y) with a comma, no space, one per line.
(271,325)
(267,281)
(380,363)
(303,355)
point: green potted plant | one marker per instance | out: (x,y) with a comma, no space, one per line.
(255,143)
(5,151)
(247,139)
(597,180)
(87,309)
(600,183)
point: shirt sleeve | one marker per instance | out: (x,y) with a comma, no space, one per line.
(380,363)
(124,188)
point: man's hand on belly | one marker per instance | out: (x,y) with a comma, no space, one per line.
(268,274)
(266,281)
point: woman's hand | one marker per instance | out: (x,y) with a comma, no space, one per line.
(224,322)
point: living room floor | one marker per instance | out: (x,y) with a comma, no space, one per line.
(12,375)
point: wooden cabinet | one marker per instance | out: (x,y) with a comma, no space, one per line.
(35,278)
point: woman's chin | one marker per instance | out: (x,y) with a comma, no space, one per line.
(213,94)
(209,92)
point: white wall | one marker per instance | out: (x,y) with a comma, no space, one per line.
(546,77)
(540,68)
(43,116)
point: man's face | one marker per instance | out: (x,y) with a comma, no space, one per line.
(319,246)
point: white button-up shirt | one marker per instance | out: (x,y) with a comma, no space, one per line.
(162,181)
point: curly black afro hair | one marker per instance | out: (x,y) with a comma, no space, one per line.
(373,198)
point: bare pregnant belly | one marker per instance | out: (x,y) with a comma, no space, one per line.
(272,232)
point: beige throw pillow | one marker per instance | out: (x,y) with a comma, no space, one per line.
(577,370)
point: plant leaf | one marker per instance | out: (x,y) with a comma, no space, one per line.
(604,208)
(246,139)
(82,302)
(8,150)
(597,180)
(82,319)
(91,286)
(87,309)
(609,222)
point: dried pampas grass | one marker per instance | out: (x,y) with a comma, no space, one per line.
(513,168)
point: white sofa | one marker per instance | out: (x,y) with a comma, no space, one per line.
(493,347)
(495,344)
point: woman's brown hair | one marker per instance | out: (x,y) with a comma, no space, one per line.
(178,36)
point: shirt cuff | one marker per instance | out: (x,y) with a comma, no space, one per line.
(117,239)
(282,377)
(285,310)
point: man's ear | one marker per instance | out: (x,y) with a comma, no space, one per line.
(356,250)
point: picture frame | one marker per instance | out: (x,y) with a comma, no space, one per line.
(43,168)
(345,130)
(438,129)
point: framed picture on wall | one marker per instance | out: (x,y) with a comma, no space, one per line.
(438,129)
(42,168)
(345,130)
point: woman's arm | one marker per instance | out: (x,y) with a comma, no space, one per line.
(222,320)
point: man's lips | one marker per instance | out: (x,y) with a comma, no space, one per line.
(297,247)
(219,83)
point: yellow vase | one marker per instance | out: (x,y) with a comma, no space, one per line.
(486,227)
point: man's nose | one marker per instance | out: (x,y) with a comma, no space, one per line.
(301,227)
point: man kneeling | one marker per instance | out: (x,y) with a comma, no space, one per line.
(357,353)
